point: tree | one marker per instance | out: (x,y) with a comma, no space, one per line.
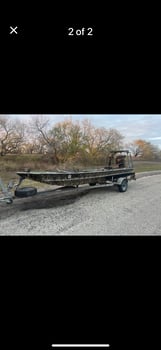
(11,135)
(68,138)
(40,128)
(98,142)
(144,149)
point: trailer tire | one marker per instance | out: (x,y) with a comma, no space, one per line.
(25,192)
(92,184)
(123,186)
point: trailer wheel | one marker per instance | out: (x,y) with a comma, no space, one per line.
(25,191)
(124,186)
(92,184)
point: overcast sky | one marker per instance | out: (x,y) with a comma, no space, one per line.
(132,127)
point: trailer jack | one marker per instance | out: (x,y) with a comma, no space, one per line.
(7,196)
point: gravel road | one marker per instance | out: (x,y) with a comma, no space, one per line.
(89,211)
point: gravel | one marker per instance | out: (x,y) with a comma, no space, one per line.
(97,211)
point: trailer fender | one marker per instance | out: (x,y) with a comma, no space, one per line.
(120,180)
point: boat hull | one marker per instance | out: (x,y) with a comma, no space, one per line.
(77,178)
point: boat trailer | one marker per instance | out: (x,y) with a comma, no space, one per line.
(118,171)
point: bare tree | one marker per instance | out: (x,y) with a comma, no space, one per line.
(40,127)
(144,149)
(11,135)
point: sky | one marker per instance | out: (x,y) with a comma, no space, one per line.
(132,127)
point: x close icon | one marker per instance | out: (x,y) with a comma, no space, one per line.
(13,30)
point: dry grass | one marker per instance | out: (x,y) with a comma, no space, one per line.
(141,166)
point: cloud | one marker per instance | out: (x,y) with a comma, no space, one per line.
(155,138)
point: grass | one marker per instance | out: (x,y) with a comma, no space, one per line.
(10,164)
(141,166)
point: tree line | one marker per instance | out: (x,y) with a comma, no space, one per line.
(67,140)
